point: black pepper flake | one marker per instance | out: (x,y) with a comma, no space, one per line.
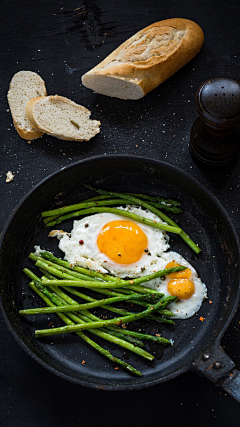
(119,255)
(149,253)
(146,250)
(142,268)
(81,242)
(86,225)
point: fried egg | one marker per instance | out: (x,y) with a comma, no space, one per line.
(111,243)
(125,248)
(185,285)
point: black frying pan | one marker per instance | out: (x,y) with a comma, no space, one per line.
(196,343)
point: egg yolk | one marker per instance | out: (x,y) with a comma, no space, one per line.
(181,288)
(185,274)
(122,241)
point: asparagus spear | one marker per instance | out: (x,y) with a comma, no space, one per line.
(97,284)
(99,324)
(78,307)
(121,212)
(82,205)
(148,206)
(156,199)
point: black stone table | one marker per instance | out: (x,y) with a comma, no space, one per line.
(61,41)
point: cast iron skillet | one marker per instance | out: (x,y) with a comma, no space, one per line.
(196,343)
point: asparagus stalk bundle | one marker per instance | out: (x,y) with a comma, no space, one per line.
(51,287)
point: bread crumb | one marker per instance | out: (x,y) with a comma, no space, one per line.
(9,176)
(29,142)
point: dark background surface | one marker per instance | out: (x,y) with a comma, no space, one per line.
(62,43)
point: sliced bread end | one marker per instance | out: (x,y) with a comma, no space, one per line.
(24,86)
(60,117)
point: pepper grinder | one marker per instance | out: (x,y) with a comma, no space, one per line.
(215,134)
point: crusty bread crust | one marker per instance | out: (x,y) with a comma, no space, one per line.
(31,115)
(29,111)
(29,135)
(127,62)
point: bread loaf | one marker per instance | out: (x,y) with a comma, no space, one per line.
(62,118)
(146,60)
(24,86)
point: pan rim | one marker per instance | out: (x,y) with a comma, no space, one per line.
(133,385)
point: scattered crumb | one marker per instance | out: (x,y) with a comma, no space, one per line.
(209,302)
(9,176)
(201,318)
(29,142)
(83,362)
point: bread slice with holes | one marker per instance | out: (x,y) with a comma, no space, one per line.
(146,59)
(60,117)
(24,86)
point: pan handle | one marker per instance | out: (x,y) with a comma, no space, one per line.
(217,366)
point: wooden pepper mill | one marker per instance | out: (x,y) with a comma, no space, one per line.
(215,135)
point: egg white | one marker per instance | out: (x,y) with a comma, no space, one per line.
(88,255)
(182,309)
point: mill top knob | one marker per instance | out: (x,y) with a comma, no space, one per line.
(218,102)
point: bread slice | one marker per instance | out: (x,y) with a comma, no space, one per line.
(24,86)
(146,59)
(62,118)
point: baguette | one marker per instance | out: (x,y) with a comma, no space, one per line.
(146,60)
(58,116)
(24,86)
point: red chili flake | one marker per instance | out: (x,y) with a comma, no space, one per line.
(119,323)
(131,282)
(83,362)
(116,369)
(157,335)
(209,302)
(50,324)
(201,318)
(81,242)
